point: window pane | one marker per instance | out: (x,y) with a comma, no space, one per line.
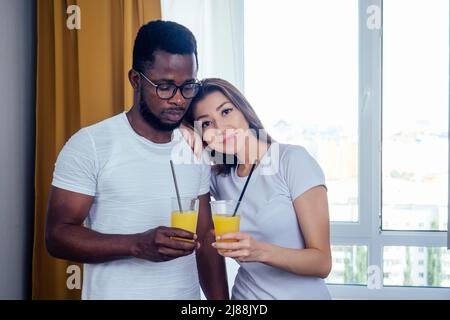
(416,266)
(415,114)
(349,265)
(304,85)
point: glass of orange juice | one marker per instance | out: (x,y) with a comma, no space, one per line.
(224,221)
(186,219)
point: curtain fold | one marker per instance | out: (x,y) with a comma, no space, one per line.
(82,78)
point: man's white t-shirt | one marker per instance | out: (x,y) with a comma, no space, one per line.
(131,181)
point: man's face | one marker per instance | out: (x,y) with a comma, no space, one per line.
(166,115)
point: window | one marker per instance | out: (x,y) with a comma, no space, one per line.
(402,266)
(349,265)
(313,100)
(363,85)
(415,115)
(365,90)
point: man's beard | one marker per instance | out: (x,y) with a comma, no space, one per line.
(153,120)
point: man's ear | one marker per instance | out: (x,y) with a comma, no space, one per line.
(135,79)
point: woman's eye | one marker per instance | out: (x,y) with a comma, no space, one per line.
(205,124)
(226,111)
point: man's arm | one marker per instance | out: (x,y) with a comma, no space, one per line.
(211,266)
(67,238)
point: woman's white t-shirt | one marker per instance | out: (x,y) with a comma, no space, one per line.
(284,173)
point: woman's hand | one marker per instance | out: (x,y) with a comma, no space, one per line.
(193,139)
(244,249)
(313,260)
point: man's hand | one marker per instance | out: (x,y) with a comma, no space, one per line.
(67,238)
(159,244)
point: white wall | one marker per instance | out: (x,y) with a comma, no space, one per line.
(17,87)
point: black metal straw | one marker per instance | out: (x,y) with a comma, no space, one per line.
(176,186)
(243,190)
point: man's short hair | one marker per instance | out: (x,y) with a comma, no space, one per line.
(161,35)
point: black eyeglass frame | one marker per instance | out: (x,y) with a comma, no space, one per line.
(175,88)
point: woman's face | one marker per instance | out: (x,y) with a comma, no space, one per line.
(224,127)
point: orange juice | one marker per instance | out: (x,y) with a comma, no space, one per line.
(186,220)
(226,224)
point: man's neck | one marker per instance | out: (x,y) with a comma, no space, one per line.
(142,128)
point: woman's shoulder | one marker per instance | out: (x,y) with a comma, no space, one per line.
(296,157)
(299,169)
(288,152)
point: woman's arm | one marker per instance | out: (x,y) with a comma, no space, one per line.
(315,260)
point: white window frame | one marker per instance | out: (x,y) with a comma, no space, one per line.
(368,230)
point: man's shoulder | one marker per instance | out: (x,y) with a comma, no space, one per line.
(102,134)
(106,124)
(108,131)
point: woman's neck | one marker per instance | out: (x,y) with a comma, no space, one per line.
(251,153)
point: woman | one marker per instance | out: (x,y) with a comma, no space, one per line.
(284,247)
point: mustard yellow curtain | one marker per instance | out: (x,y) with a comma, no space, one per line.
(81,79)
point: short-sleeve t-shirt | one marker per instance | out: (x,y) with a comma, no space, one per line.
(267,213)
(131,181)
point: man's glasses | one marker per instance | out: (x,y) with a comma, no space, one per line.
(167,91)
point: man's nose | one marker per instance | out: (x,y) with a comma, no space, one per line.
(178,98)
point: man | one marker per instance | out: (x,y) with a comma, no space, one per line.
(116,177)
